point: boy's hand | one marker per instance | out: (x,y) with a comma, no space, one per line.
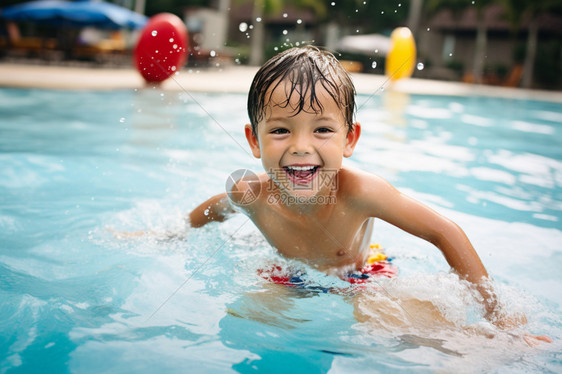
(507,322)
(127,235)
(535,340)
(162,235)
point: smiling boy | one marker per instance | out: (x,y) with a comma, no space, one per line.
(307,205)
(301,106)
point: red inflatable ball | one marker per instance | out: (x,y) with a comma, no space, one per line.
(162,47)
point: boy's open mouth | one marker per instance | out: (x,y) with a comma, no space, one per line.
(301,174)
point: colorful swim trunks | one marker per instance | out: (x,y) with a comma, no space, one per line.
(378,265)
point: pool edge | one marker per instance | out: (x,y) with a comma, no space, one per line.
(235,79)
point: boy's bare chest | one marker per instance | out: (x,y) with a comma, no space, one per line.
(325,241)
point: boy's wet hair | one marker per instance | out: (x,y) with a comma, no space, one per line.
(303,68)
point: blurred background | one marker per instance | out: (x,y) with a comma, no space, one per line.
(514,43)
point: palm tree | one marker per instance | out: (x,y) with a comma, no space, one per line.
(414,15)
(481,39)
(264,8)
(516,11)
(261,7)
(457,7)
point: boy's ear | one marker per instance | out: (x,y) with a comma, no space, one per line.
(351,139)
(252,140)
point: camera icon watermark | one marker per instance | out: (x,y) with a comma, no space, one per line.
(247,195)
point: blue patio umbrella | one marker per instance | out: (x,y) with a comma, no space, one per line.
(75,13)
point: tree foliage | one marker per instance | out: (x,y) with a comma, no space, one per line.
(172,6)
(368,16)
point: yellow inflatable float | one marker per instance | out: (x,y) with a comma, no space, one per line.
(401,59)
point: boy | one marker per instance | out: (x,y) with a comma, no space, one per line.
(301,106)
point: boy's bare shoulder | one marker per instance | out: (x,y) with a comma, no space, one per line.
(358,185)
(353,180)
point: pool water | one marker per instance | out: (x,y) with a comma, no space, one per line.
(75,298)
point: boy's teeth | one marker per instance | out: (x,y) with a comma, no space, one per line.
(300,167)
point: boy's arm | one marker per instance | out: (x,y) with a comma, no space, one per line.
(217,208)
(387,203)
(418,219)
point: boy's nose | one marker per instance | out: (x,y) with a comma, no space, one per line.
(300,146)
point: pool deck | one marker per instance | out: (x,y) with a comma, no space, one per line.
(232,79)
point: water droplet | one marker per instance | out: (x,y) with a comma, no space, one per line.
(243,26)
(171,40)
(450,54)
(175,46)
(173,68)
(275,49)
(285,15)
(258,19)
(156,51)
(333,3)
(299,21)
(212,53)
(251,27)
(382,12)
(399,5)
(154,32)
(122,120)
(206,212)
(376,51)
(428,29)
(374,64)
(420,66)
(285,32)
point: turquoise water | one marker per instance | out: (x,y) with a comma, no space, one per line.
(77,299)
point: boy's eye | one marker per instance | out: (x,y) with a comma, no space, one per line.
(324,130)
(279,131)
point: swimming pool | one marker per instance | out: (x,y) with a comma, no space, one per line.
(76,299)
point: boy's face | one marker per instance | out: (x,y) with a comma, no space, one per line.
(302,153)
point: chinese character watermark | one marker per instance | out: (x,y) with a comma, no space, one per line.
(244,187)
(327,178)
